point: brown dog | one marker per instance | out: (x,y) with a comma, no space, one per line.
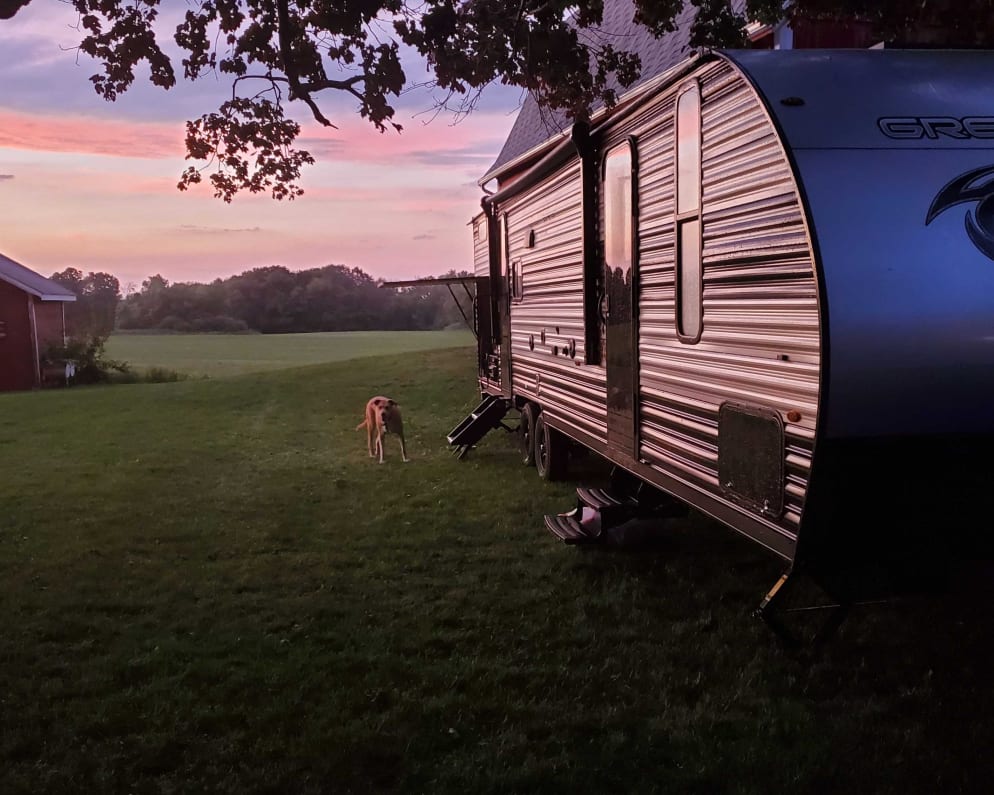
(382,417)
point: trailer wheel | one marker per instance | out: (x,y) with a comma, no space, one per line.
(551,451)
(526,434)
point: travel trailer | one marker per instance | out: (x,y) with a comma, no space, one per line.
(763,286)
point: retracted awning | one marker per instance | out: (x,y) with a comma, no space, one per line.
(448,281)
(427,282)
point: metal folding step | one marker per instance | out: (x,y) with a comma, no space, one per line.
(483,419)
(570,529)
(599,511)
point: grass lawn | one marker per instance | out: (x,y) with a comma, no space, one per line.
(207,586)
(218,355)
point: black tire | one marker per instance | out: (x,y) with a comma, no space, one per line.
(551,451)
(526,434)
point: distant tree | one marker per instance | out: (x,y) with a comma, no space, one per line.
(184,306)
(146,308)
(71,278)
(154,284)
(102,292)
(261,298)
(276,52)
(97,295)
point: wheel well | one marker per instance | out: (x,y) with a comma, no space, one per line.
(520,402)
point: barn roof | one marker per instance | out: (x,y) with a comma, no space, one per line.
(534,125)
(32,283)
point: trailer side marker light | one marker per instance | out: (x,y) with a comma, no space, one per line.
(793,416)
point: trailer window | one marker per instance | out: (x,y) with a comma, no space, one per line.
(690,274)
(618,210)
(688,150)
(481,230)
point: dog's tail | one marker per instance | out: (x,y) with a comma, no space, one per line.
(361,425)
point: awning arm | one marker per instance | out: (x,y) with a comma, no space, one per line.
(461,312)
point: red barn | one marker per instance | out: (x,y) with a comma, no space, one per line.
(31,319)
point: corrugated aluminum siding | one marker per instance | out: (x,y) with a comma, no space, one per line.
(481,246)
(761,342)
(552,302)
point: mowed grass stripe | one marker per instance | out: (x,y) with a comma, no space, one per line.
(221,355)
(209,586)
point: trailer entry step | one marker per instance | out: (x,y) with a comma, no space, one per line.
(569,528)
(483,419)
(624,513)
(600,498)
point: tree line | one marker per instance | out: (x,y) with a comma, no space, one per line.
(269,300)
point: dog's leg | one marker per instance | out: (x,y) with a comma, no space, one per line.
(403,447)
(370,429)
(362,426)
(379,442)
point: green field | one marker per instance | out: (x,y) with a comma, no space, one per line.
(207,586)
(218,355)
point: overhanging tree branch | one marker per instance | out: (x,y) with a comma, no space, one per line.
(555,49)
(297,91)
(10,7)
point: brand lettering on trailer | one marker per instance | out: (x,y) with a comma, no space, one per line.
(914,128)
(973,186)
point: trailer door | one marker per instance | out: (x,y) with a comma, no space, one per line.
(619,277)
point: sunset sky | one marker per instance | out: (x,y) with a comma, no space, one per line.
(92,184)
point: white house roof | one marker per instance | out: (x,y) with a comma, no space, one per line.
(32,283)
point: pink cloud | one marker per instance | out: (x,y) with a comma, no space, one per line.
(345,193)
(473,142)
(44,179)
(387,196)
(81,135)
